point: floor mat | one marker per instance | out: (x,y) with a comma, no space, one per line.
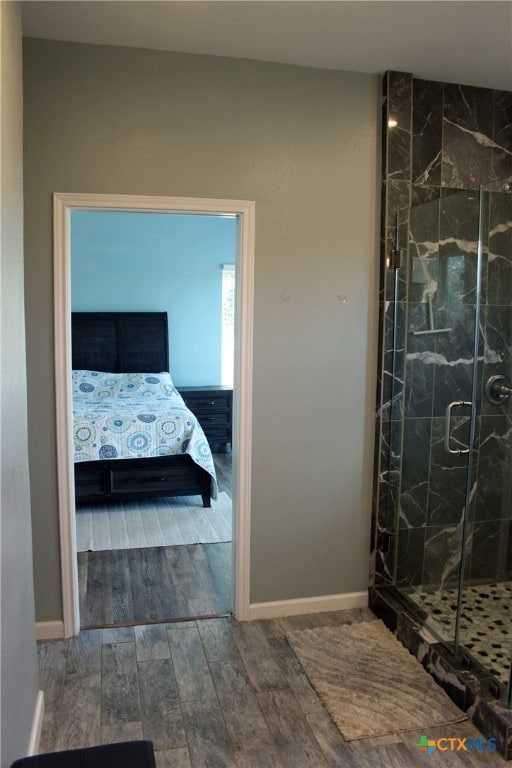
(157,522)
(369,682)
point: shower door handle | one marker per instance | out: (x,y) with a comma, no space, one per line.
(448,427)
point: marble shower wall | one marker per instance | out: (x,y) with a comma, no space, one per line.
(448,140)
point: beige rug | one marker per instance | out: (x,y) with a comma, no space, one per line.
(155,522)
(369,682)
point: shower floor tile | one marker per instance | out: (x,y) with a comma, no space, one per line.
(486,622)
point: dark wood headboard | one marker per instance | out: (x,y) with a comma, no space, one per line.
(120,342)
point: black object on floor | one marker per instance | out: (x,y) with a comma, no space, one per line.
(126,754)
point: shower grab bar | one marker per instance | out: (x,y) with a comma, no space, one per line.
(448,428)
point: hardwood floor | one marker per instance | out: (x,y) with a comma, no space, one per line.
(154,584)
(129,586)
(215,693)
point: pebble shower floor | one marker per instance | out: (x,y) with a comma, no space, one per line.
(486,622)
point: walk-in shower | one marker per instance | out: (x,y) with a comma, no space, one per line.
(449,525)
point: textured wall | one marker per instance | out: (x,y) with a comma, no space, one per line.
(19,673)
(302,144)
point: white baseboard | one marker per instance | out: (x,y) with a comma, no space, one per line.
(296,607)
(49,630)
(37,725)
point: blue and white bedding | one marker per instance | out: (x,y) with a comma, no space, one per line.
(134,416)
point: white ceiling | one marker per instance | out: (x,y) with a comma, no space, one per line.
(460,41)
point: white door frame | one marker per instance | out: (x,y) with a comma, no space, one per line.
(63,204)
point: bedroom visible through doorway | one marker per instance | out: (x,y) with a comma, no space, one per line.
(163,558)
(154,558)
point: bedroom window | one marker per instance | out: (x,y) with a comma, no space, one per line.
(228,324)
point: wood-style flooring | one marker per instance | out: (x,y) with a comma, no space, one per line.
(215,694)
(153,584)
(129,586)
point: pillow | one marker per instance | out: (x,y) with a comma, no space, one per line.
(98,385)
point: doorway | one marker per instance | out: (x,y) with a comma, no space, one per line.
(243,211)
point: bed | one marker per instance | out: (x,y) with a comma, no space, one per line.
(133,434)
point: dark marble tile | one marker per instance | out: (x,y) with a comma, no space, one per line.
(421,195)
(467,117)
(453,356)
(419,368)
(427,118)
(410,543)
(497,236)
(502,135)
(415,472)
(497,333)
(458,233)
(443,546)
(490,550)
(447,473)
(494,446)
(399,97)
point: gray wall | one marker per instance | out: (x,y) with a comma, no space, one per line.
(19,675)
(300,142)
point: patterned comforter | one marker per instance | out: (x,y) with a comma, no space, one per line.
(133,416)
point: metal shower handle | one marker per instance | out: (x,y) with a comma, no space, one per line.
(448,428)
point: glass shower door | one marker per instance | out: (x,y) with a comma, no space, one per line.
(432,419)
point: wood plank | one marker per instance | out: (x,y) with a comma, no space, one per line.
(120,690)
(151,642)
(127,731)
(121,590)
(84,653)
(146,575)
(297,681)
(209,743)
(98,607)
(52,670)
(217,639)
(291,731)
(118,635)
(259,658)
(82,562)
(259,758)
(173,758)
(220,564)
(160,710)
(79,711)
(337,752)
(243,716)
(190,666)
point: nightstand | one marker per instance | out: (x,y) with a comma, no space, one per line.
(213,406)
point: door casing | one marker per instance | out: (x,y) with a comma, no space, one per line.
(244,210)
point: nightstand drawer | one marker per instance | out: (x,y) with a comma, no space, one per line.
(212,407)
(208,404)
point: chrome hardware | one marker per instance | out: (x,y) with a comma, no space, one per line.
(394,259)
(447,431)
(498,389)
